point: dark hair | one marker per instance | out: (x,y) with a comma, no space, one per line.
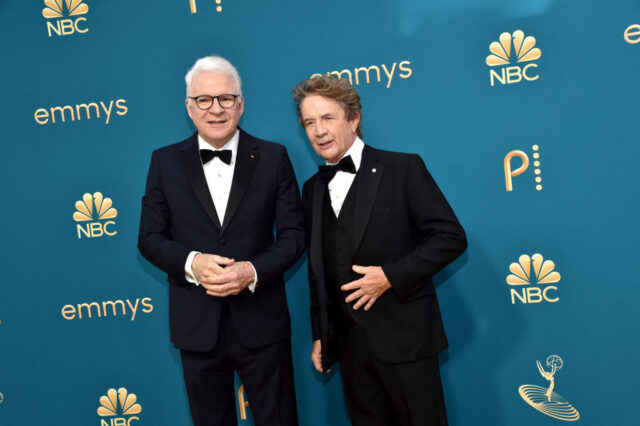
(332,87)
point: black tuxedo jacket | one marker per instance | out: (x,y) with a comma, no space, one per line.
(404,224)
(178,216)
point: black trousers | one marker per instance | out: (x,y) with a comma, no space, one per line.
(379,394)
(266,374)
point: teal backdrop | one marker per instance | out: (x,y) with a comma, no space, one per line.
(90,90)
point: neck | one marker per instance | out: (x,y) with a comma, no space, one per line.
(341,156)
(216,144)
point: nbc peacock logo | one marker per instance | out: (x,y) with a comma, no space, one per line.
(546,400)
(93,214)
(119,408)
(531,280)
(511,53)
(64,17)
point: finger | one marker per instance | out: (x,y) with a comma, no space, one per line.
(219,294)
(210,287)
(236,290)
(232,289)
(317,362)
(370,303)
(211,269)
(219,289)
(361,302)
(353,296)
(352,285)
(221,260)
(223,279)
(360,269)
(223,293)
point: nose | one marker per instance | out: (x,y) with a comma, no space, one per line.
(320,130)
(215,107)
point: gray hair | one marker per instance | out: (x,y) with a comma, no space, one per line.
(215,64)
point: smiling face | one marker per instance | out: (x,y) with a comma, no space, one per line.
(327,127)
(216,125)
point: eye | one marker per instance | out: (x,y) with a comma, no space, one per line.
(203,100)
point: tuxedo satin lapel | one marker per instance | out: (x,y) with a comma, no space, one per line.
(368,182)
(315,240)
(193,167)
(246,161)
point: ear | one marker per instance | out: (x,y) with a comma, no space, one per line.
(241,106)
(188,105)
(354,123)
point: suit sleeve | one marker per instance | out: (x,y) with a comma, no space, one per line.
(290,235)
(155,239)
(313,287)
(442,237)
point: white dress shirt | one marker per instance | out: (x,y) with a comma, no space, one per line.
(341,182)
(219,177)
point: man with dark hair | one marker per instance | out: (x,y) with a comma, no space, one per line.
(379,229)
(207,220)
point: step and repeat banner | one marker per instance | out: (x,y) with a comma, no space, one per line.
(525,111)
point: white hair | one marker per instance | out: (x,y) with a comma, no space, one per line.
(215,64)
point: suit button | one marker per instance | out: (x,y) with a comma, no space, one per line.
(223,241)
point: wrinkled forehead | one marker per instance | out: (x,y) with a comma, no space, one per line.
(315,104)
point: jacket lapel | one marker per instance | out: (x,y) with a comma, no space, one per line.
(193,166)
(368,181)
(246,161)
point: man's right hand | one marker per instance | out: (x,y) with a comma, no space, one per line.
(206,267)
(316,356)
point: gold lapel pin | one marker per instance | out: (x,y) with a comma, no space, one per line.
(252,156)
(373,170)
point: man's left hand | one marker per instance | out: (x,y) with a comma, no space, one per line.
(368,288)
(232,281)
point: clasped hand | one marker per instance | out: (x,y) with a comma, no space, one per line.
(222,276)
(368,288)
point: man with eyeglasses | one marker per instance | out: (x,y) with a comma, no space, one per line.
(222,217)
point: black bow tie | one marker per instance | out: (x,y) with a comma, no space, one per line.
(327,173)
(209,154)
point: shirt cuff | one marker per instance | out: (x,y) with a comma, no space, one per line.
(252,287)
(188,272)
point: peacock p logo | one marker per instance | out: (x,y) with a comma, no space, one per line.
(510,172)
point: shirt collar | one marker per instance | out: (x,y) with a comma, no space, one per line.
(232,145)
(355,151)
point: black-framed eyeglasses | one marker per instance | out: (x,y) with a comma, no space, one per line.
(206,101)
